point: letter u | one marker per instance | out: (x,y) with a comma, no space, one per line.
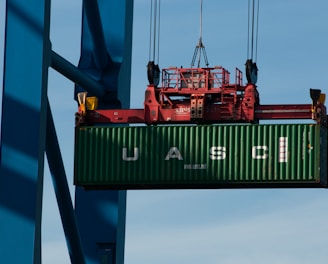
(125,154)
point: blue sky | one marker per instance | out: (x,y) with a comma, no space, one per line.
(206,226)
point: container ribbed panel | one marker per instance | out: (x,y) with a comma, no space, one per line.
(201,156)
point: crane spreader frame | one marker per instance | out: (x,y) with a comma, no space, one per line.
(203,95)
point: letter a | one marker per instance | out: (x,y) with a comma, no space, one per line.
(174,153)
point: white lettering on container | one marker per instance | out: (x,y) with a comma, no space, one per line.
(217,153)
(125,154)
(283,149)
(173,153)
(195,166)
(260,152)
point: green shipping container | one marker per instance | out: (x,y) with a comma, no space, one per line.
(203,156)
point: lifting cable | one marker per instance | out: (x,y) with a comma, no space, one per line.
(252,40)
(153,70)
(200,46)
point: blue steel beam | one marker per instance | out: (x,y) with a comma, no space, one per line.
(29,24)
(23,129)
(101,219)
(92,15)
(63,196)
(101,214)
(76,75)
(107,23)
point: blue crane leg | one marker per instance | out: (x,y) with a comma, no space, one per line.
(101,214)
(63,196)
(115,19)
(93,19)
(23,130)
(101,219)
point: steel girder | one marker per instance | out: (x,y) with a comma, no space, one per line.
(23,130)
(106,48)
(24,140)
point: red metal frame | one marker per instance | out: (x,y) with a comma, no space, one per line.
(203,95)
